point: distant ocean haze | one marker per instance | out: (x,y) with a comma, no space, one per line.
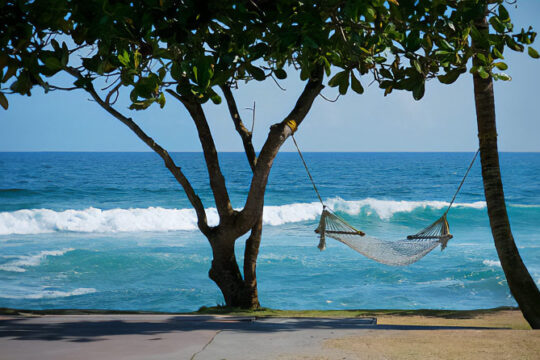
(115,230)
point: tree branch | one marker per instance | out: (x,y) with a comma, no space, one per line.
(278,134)
(217,181)
(169,163)
(244,133)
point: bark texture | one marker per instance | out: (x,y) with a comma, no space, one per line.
(520,282)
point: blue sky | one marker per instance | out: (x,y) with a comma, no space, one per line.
(444,120)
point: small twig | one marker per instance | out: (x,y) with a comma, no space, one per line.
(279,86)
(110,85)
(54,87)
(113,91)
(253,117)
(327,99)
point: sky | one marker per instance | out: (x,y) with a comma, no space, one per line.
(444,120)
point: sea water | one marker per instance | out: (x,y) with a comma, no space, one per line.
(116,231)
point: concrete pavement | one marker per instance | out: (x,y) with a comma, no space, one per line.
(149,337)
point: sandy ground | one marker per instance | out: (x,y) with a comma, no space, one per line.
(494,335)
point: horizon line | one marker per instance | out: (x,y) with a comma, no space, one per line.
(285,151)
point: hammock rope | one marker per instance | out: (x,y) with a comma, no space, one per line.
(400,252)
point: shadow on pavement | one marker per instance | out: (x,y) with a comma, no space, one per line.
(88,329)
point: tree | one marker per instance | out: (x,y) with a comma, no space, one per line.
(190,49)
(481,30)
(489,50)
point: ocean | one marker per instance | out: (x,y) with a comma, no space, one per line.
(115,231)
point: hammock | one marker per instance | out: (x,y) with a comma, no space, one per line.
(400,252)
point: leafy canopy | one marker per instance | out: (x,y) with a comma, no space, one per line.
(192,47)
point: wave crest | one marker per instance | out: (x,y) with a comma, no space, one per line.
(93,220)
(29,260)
(49,294)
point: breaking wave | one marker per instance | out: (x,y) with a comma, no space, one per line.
(93,220)
(48,294)
(22,261)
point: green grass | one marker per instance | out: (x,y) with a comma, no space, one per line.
(266,312)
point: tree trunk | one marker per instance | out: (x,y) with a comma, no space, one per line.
(250,265)
(519,280)
(237,291)
(224,271)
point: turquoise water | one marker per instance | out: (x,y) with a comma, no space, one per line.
(115,231)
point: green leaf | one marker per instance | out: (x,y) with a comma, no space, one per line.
(482,72)
(124,58)
(337,79)
(137,58)
(82,82)
(355,84)
(482,58)
(216,99)
(497,54)
(497,24)
(327,67)
(280,74)
(512,44)
(418,91)
(161,100)
(450,76)
(533,53)
(257,73)
(504,77)
(446,45)
(55,44)
(386,73)
(344,84)
(142,104)
(503,14)
(176,72)
(501,65)
(416,65)
(370,14)
(65,54)
(3,101)
(53,63)
(12,70)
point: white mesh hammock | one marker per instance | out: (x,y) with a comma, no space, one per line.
(399,252)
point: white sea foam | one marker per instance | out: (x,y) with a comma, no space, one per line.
(93,220)
(48,294)
(23,261)
(385,209)
(492,263)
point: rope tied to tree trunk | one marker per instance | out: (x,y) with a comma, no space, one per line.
(293,123)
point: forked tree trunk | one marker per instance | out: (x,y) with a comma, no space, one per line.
(519,280)
(237,291)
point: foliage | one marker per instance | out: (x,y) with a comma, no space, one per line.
(192,47)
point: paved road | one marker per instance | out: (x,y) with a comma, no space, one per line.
(153,337)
